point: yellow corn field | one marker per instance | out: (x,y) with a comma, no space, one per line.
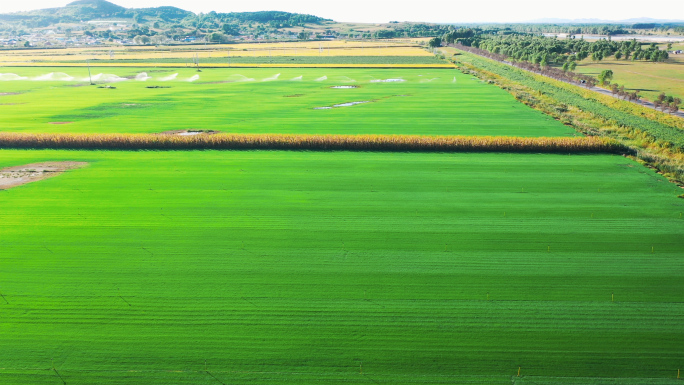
(411,143)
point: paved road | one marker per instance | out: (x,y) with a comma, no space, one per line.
(644,103)
(604,91)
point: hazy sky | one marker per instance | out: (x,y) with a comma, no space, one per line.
(425,10)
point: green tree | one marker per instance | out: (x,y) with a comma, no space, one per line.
(435,42)
(605,77)
(303,35)
(544,61)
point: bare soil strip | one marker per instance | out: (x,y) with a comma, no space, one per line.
(19,175)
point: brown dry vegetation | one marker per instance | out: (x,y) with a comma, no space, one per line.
(313,142)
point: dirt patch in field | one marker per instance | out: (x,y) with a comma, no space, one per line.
(8,93)
(294,96)
(19,175)
(60,122)
(189,132)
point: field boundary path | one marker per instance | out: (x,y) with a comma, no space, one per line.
(644,103)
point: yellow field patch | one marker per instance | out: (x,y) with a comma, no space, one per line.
(318,48)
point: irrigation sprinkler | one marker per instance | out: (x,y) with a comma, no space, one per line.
(612,297)
(487,296)
(89,74)
(518,371)
(677,373)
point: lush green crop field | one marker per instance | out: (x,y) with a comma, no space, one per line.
(428,102)
(303,267)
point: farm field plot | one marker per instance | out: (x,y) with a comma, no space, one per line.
(303,267)
(649,78)
(407,101)
(254,50)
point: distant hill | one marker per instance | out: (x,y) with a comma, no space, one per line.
(87,10)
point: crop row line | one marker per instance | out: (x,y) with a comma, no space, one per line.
(388,143)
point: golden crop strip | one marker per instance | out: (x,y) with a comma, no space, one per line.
(313,142)
(238,50)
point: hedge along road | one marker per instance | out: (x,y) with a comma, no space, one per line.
(208,267)
(641,102)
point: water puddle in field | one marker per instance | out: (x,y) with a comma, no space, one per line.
(343,87)
(387,80)
(348,104)
(19,175)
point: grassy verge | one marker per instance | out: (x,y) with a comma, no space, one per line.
(313,142)
(657,144)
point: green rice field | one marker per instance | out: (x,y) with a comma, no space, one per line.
(426,102)
(264,267)
(327,267)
